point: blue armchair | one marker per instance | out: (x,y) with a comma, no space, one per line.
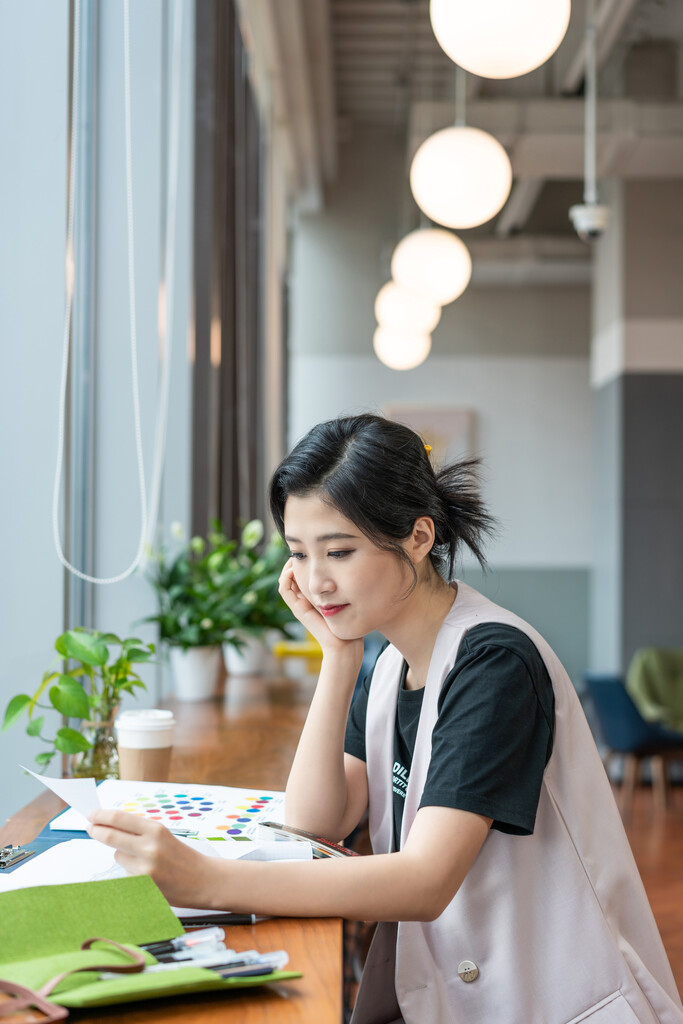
(627,734)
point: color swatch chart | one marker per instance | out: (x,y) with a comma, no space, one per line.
(212,812)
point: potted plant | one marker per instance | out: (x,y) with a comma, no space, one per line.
(217,592)
(188,616)
(247,574)
(90,691)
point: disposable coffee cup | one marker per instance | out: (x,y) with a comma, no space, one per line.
(145,742)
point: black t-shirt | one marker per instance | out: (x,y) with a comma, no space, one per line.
(493,736)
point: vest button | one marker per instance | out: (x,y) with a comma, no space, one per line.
(468,971)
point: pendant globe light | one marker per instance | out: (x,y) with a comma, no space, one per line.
(460,177)
(499,38)
(401,349)
(434,262)
(399,305)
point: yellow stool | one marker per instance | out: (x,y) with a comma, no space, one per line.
(308,649)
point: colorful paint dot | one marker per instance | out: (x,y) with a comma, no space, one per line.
(194,814)
(233,831)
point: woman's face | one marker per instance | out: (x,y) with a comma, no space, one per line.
(356,586)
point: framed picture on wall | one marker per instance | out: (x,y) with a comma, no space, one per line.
(449,431)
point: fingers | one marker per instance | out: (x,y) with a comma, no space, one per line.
(122,821)
(290,592)
(127,833)
(287,583)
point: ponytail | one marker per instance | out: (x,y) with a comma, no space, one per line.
(466,519)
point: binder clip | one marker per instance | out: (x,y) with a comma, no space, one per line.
(11,855)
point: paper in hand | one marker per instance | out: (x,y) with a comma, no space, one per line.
(80,794)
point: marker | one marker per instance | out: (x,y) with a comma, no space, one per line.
(227,962)
(187,941)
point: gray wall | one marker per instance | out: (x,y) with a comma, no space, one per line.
(652,512)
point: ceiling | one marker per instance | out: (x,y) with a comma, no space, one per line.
(346,65)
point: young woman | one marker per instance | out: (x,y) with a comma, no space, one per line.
(501,874)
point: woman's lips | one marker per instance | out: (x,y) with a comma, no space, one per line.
(331,609)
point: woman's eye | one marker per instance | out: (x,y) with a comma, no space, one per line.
(340,554)
(296,554)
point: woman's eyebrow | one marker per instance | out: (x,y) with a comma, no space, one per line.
(324,536)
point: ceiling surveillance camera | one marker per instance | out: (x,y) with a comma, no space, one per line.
(589,220)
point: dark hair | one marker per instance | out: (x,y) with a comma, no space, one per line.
(378,474)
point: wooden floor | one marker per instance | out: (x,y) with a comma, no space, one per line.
(656,839)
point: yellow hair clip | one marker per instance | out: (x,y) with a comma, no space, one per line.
(428,448)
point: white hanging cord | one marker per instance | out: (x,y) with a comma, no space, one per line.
(69,303)
(460,96)
(169,286)
(590,186)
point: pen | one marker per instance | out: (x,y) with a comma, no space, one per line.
(245,919)
(226,918)
(188,954)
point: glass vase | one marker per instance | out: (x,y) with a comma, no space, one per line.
(101,761)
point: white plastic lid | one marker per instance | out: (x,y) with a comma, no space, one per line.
(149,719)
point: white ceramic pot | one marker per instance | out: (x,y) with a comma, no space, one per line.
(196,672)
(249,660)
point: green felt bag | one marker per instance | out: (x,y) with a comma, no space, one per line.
(49,924)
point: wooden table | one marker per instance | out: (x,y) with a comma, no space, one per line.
(246,737)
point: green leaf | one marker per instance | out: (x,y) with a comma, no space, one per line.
(68,741)
(109,638)
(132,642)
(70,699)
(45,757)
(85,647)
(15,709)
(136,654)
(45,681)
(34,726)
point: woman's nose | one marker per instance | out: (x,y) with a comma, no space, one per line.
(319,580)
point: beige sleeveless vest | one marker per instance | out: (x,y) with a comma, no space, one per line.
(557,923)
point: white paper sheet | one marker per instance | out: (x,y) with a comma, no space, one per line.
(79,794)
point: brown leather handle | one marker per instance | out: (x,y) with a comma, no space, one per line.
(134,967)
(22,998)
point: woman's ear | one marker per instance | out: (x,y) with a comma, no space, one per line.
(421,540)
